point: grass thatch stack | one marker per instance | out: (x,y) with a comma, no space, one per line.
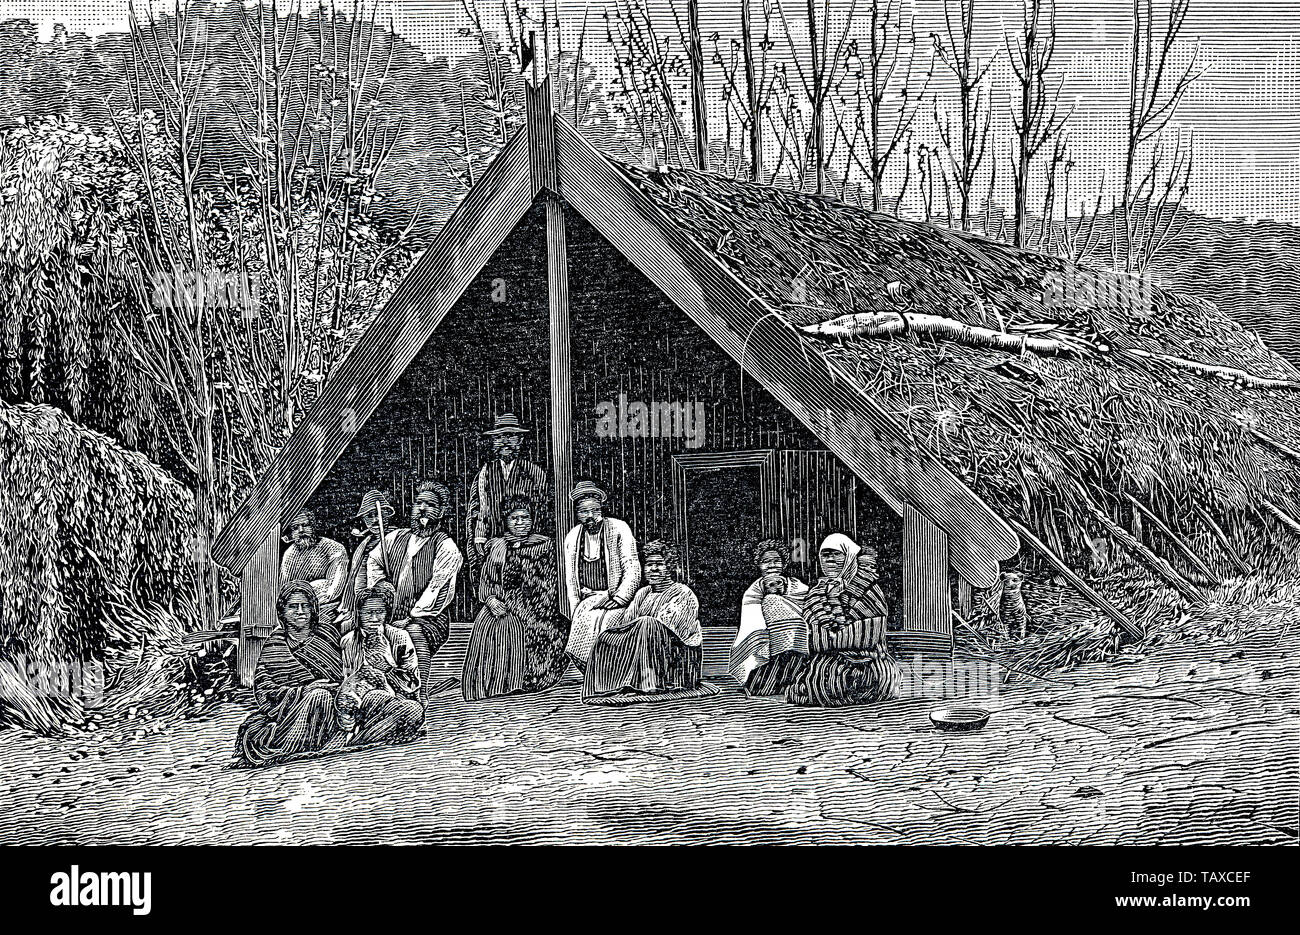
(1107,415)
(95,568)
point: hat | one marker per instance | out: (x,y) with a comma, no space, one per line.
(507,424)
(587,490)
(371,501)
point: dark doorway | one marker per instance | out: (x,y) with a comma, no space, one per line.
(724,516)
(724,506)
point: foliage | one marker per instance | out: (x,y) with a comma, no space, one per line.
(83,523)
(68,203)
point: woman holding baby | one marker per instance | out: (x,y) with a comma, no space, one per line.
(318,693)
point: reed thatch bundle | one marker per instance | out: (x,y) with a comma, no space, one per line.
(96,557)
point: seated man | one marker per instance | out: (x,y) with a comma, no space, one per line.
(601,570)
(422,563)
(317,559)
(656,646)
(772,644)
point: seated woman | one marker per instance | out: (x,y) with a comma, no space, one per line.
(297,679)
(517,644)
(845,611)
(294,683)
(381,675)
(771,647)
(656,647)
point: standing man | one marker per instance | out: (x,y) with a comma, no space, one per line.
(602,570)
(422,562)
(319,560)
(368,513)
(506,475)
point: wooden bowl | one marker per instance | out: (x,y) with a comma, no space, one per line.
(960,717)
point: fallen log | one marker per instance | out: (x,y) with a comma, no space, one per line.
(1187,552)
(1153,561)
(893,324)
(1069,574)
(1228,374)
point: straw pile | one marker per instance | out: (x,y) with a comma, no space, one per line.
(95,573)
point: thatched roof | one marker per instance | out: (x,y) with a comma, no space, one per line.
(1039,437)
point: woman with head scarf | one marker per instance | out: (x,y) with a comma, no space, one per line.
(771,646)
(297,674)
(517,644)
(848,662)
(655,649)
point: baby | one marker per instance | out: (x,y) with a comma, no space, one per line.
(376,657)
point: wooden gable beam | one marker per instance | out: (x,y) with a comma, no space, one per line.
(478,227)
(831,405)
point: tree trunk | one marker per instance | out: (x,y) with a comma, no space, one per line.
(751,87)
(818,135)
(698,102)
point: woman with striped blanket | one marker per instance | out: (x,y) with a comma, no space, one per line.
(771,647)
(848,663)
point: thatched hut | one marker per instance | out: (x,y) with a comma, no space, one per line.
(738,361)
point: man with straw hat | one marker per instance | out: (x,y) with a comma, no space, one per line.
(602,570)
(375,515)
(506,475)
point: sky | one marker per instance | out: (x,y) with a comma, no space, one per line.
(1242,114)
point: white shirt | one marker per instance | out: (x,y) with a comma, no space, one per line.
(442,582)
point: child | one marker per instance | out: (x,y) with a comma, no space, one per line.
(376,657)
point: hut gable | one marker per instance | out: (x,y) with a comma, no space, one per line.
(691,274)
(1058,396)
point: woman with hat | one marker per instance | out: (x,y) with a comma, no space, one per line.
(517,644)
(602,570)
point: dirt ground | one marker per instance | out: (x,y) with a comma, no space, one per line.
(1192,744)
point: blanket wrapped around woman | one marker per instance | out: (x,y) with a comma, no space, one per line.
(771,647)
(517,644)
(848,663)
(297,674)
(657,646)
(295,685)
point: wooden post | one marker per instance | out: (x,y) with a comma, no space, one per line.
(557,279)
(541,148)
(259,588)
(964,599)
(927,602)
